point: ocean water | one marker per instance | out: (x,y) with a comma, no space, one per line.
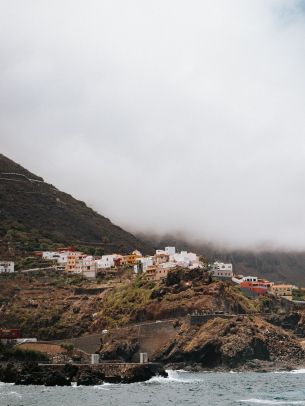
(181,388)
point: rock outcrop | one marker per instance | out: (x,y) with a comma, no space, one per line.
(232,343)
(65,375)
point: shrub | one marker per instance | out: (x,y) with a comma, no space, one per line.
(67,346)
(18,354)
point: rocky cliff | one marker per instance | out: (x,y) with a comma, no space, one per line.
(142,316)
(234,343)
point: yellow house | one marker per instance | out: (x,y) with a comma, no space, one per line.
(282,290)
(130,259)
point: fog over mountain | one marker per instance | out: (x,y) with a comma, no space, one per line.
(165,116)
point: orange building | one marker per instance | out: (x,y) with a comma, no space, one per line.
(72,259)
(130,259)
(156,273)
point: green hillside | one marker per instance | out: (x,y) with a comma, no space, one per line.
(36,215)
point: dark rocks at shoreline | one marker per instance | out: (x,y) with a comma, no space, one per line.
(65,375)
(248,343)
(254,365)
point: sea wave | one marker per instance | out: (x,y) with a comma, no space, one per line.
(179,376)
(294,371)
(298,371)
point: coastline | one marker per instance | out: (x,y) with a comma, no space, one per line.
(33,373)
(91,375)
(255,365)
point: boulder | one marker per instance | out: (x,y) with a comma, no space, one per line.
(56,378)
(89,378)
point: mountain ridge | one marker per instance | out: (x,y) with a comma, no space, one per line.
(34,209)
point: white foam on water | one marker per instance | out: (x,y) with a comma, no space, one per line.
(294,371)
(100,387)
(103,386)
(298,371)
(179,376)
(273,402)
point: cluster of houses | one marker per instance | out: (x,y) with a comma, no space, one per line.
(258,287)
(251,285)
(156,268)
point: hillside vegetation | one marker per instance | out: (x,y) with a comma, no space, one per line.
(35,215)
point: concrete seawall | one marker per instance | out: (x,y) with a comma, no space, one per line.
(152,336)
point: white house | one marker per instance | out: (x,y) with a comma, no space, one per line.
(241,278)
(222,270)
(7,266)
(106,261)
(89,268)
(60,257)
(168,265)
(50,255)
(185,259)
(250,279)
(86,266)
(170,250)
(145,263)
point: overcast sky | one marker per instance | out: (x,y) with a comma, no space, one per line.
(163,115)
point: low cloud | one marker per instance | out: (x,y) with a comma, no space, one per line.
(166,116)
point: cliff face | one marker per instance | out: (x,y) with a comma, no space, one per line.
(243,342)
(141,316)
(34,214)
(233,343)
(252,339)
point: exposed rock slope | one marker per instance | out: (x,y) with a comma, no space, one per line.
(233,343)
